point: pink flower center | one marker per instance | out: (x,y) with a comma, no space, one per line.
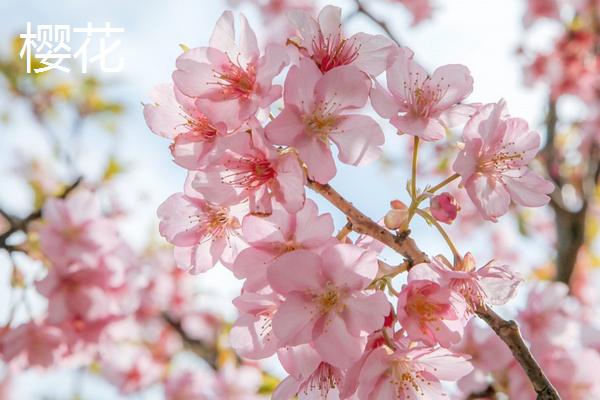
(427,311)
(215,222)
(323,379)
(406,380)
(333,51)
(201,127)
(501,161)
(471,291)
(330,299)
(422,96)
(288,246)
(250,172)
(322,121)
(236,81)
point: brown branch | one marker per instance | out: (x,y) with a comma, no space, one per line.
(360,9)
(201,349)
(508,331)
(22,224)
(487,393)
(360,223)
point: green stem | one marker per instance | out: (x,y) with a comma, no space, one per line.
(413,182)
(441,230)
(443,183)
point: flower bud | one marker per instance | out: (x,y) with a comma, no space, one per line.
(397,216)
(444,207)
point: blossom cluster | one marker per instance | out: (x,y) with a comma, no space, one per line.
(251,146)
(123,315)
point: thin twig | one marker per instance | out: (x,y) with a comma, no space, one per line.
(360,9)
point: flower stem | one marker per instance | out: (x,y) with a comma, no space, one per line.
(443,183)
(442,231)
(413,181)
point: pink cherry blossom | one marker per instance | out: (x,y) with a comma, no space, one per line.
(82,292)
(130,368)
(444,207)
(253,171)
(281,232)
(310,377)
(35,344)
(252,333)
(397,216)
(493,163)
(318,110)
(325,301)
(488,355)
(409,372)
(551,316)
(323,41)
(241,383)
(274,9)
(420,9)
(491,284)
(420,104)
(231,80)
(430,313)
(197,141)
(75,229)
(541,9)
(203,234)
(186,385)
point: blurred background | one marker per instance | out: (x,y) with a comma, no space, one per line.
(58,127)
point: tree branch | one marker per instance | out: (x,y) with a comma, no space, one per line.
(510,334)
(360,223)
(22,224)
(360,9)
(201,349)
(508,331)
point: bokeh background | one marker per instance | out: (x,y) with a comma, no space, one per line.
(485,35)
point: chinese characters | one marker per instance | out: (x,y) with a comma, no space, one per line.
(49,47)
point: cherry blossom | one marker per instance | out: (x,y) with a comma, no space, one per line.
(310,377)
(421,10)
(281,232)
(420,104)
(83,292)
(253,171)
(541,9)
(493,163)
(319,110)
(492,283)
(76,229)
(488,355)
(197,141)
(252,333)
(231,80)
(325,301)
(322,41)
(444,207)
(202,233)
(35,344)
(431,313)
(409,372)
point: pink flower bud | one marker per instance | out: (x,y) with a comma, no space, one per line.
(397,216)
(444,207)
